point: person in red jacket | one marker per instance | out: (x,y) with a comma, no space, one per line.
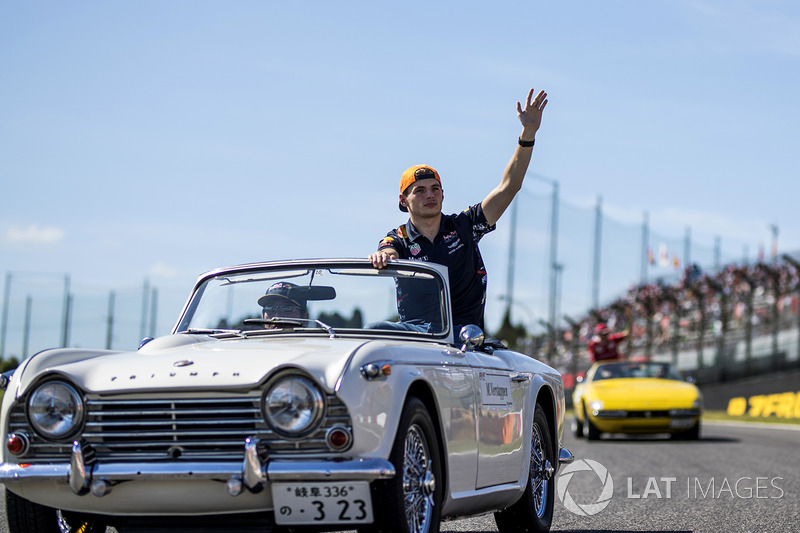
(604,345)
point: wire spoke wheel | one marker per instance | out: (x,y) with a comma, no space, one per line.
(411,501)
(418,481)
(538,478)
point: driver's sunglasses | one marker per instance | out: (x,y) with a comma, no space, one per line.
(274,309)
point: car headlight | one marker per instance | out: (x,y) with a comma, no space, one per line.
(55,410)
(293,405)
(698,403)
(596,405)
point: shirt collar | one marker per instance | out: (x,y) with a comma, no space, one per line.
(445,225)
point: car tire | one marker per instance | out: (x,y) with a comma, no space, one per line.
(592,433)
(533,512)
(691,434)
(24,516)
(412,500)
(577,428)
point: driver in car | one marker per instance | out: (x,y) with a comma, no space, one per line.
(276,303)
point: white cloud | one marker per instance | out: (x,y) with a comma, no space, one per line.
(35,234)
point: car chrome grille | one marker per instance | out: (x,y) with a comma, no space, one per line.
(178,427)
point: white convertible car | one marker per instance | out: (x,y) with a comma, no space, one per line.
(316,394)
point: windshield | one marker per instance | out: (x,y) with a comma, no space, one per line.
(636,370)
(404,299)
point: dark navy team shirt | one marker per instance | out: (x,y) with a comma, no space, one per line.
(456,247)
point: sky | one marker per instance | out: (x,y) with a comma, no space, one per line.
(158,140)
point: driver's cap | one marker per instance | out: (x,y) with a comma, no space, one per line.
(281,290)
(412,174)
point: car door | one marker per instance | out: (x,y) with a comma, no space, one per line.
(500,399)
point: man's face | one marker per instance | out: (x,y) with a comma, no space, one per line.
(281,307)
(423,198)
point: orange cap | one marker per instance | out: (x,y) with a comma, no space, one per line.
(412,174)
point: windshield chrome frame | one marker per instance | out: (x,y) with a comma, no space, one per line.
(400,266)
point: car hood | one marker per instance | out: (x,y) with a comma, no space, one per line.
(183,361)
(643,393)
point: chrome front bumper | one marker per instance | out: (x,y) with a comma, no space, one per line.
(252,473)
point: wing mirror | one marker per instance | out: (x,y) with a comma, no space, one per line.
(471,337)
(5,379)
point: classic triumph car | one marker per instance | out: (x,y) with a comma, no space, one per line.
(316,394)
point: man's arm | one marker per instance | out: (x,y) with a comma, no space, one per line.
(495,204)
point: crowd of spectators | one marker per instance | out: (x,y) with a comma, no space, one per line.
(700,309)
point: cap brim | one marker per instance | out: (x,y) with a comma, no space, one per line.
(264,299)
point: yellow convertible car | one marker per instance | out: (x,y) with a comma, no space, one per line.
(636,397)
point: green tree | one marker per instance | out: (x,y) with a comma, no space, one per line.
(9,364)
(511,335)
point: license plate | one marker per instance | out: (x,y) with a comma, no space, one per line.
(681,422)
(322,503)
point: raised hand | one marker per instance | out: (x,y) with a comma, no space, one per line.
(531,115)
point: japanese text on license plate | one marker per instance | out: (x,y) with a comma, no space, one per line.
(322,503)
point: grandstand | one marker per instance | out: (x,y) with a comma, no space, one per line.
(718,326)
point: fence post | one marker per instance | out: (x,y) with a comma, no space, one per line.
(110,326)
(774,276)
(792,261)
(676,328)
(697,291)
(554,259)
(26,331)
(65,326)
(67,319)
(153,311)
(598,237)
(748,326)
(649,311)
(145,306)
(687,247)
(4,325)
(645,248)
(720,360)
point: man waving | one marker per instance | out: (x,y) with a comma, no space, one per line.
(452,240)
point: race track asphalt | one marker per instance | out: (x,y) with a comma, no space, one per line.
(736,478)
